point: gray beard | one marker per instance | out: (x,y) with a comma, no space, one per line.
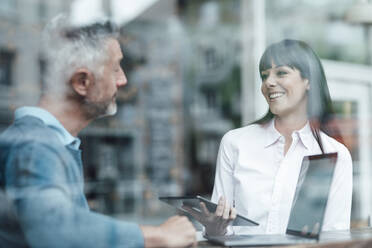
(96,110)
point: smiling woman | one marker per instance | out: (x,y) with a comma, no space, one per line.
(258,165)
(300,76)
(285,91)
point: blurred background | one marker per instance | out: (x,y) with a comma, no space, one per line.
(192,68)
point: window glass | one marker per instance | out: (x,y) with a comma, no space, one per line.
(192,71)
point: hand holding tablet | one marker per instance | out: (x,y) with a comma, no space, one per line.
(215,222)
(214,217)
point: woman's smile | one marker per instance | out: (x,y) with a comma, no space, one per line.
(275,95)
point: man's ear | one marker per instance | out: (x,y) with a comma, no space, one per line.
(81,80)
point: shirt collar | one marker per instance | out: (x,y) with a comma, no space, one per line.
(65,137)
(273,135)
(306,135)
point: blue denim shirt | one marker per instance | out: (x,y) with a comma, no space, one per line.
(43,178)
(63,135)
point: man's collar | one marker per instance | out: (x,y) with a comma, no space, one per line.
(49,120)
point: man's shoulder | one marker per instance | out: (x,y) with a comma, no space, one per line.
(28,139)
(28,130)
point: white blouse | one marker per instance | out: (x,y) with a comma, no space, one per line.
(254,175)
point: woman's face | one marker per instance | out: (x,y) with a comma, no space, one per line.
(285,91)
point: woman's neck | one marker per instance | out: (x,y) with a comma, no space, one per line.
(287,125)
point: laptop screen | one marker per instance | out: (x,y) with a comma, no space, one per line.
(311,195)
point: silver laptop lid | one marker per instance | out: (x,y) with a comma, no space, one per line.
(311,195)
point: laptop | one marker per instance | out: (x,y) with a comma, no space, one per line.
(308,207)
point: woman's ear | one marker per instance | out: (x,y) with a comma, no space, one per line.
(81,81)
(307,84)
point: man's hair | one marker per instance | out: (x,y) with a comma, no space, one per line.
(66,47)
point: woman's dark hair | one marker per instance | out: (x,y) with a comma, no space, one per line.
(297,54)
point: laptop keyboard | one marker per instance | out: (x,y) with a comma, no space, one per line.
(267,238)
(234,237)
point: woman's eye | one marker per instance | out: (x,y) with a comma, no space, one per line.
(281,73)
(263,76)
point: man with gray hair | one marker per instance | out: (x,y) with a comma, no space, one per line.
(40,161)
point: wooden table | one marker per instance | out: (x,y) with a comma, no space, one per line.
(348,244)
(360,238)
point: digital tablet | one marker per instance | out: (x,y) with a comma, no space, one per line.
(194,203)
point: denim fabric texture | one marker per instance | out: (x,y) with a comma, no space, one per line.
(43,179)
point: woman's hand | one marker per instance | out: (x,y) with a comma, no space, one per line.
(215,223)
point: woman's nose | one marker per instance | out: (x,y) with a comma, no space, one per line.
(270,81)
